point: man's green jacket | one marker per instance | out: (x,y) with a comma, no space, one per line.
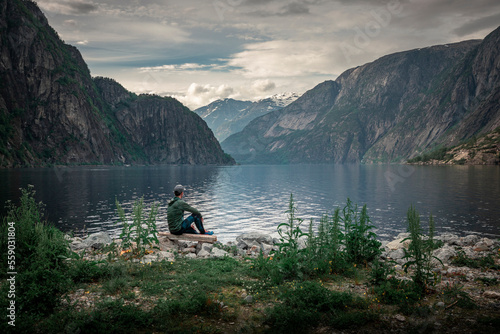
(175,213)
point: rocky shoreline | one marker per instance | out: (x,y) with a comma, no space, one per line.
(251,244)
(479,283)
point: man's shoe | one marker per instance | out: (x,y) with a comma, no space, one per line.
(209,232)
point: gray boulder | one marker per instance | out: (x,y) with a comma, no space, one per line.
(445,253)
(95,239)
(217,252)
(449,238)
(248,240)
(77,245)
(470,240)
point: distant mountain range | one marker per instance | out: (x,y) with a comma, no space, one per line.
(228,116)
(53,112)
(390,110)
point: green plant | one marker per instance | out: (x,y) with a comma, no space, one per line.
(330,239)
(404,294)
(142,231)
(360,243)
(307,304)
(488,280)
(420,250)
(453,294)
(380,271)
(485,262)
(288,256)
(39,257)
(115,285)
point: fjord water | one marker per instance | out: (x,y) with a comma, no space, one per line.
(237,199)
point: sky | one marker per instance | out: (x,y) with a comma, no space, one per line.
(199,51)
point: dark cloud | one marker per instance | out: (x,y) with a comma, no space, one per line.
(295,8)
(489,22)
(257,2)
(79,7)
(292,9)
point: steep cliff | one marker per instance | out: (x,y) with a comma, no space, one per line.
(386,111)
(162,128)
(52,111)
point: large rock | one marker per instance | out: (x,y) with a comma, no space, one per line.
(217,252)
(397,244)
(445,253)
(96,239)
(483,245)
(249,240)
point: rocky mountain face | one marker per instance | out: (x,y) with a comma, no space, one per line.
(228,116)
(53,112)
(482,150)
(389,110)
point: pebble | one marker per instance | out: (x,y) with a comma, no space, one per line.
(400,317)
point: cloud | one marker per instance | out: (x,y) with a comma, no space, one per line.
(295,8)
(282,58)
(182,67)
(489,22)
(68,6)
(70,23)
(262,86)
(198,95)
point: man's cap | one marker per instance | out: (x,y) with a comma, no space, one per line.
(179,188)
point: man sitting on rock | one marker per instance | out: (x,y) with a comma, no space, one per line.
(175,215)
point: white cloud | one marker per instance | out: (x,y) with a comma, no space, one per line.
(200,95)
(182,67)
(68,6)
(262,86)
(282,58)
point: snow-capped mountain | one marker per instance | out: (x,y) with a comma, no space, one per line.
(229,116)
(284,99)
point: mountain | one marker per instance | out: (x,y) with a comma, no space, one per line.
(229,116)
(482,150)
(392,109)
(53,112)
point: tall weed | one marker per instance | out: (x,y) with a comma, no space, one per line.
(419,254)
(141,234)
(361,245)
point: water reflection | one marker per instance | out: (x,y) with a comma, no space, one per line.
(236,199)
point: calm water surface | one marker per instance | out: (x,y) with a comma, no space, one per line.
(237,199)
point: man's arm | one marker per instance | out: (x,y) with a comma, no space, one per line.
(187,207)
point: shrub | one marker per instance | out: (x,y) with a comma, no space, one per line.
(453,294)
(485,262)
(308,304)
(404,294)
(40,256)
